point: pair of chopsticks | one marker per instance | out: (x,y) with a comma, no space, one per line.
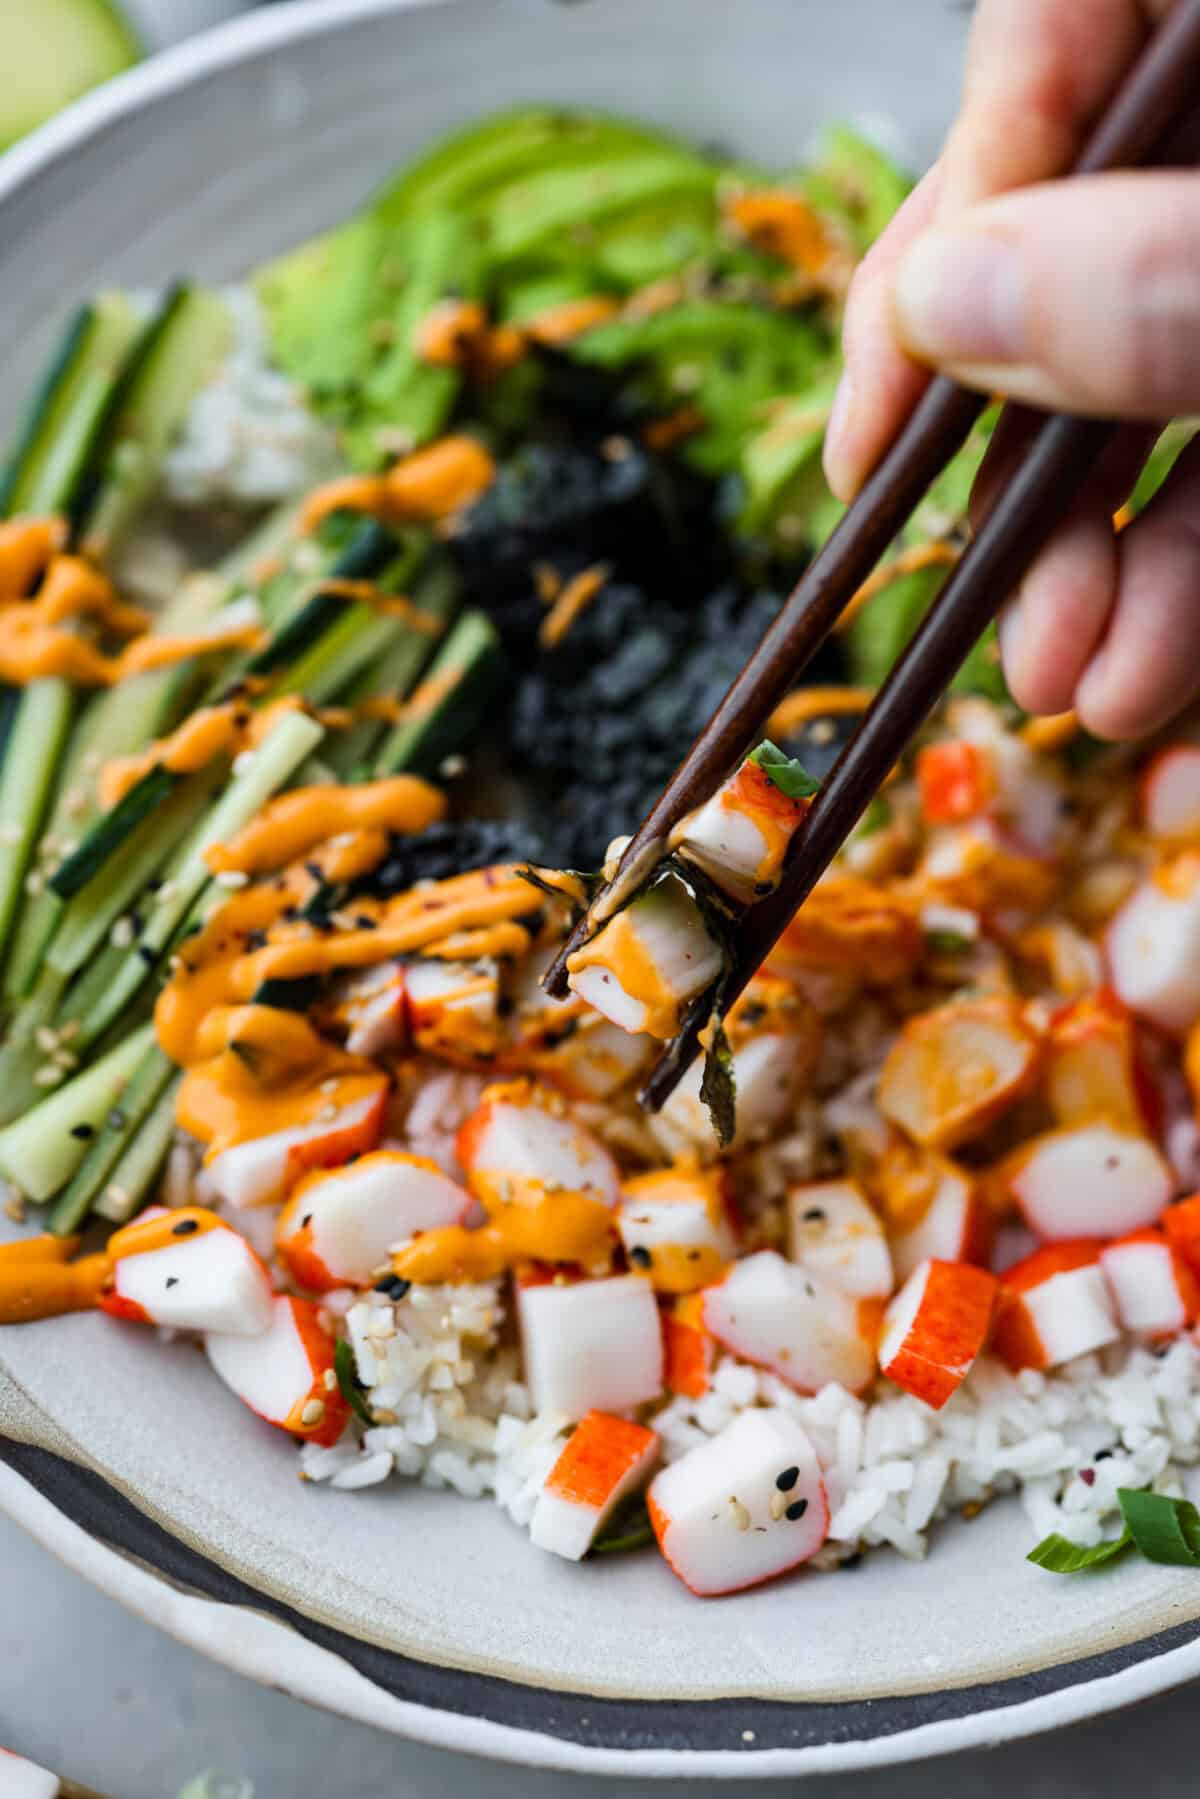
(1156,99)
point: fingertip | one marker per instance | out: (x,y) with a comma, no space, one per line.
(842,468)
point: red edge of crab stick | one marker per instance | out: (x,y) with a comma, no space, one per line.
(603,1459)
(1053,1306)
(935,1327)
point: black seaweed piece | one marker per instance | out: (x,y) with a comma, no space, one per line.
(295,993)
(450,848)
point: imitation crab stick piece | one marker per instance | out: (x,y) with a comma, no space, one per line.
(955,781)
(834,1231)
(260,1171)
(1096,1181)
(520,1143)
(286,1375)
(1181,1226)
(591,1345)
(187,1270)
(454,1009)
(645,964)
(603,1459)
(1153,947)
(1169,793)
(954,1070)
(1153,1289)
(340,1224)
(1054,1306)
(372,1010)
(769,1311)
(689,1351)
(20,1779)
(934,1209)
(676,1226)
(593,1060)
(1092,1069)
(850,925)
(741,836)
(742,1508)
(935,1327)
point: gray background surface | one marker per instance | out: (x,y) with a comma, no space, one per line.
(96,1694)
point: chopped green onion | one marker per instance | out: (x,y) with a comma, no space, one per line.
(947,943)
(347,1379)
(785,772)
(1164,1529)
(1061,1556)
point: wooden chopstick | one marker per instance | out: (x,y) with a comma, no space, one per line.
(1153,102)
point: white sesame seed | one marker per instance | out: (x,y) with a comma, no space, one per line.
(243,762)
(327,1113)
(166,893)
(121,935)
(120,1196)
(65,1059)
(313,1412)
(452,766)
(331,1381)
(329,1086)
(46,1038)
(68,1030)
(67,846)
(14,1208)
(47,1077)
(34,883)
(232,878)
(739,1517)
(779,1504)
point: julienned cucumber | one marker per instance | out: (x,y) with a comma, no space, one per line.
(30,762)
(61,49)
(137,1170)
(179,349)
(121,1124)
(276,759)
(41,1151)
(111,831)
(367,556)
(450,700)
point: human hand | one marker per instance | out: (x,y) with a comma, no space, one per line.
(1080,295)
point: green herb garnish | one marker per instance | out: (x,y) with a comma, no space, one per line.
(785,772)
(347,1379)
(1060,1556)
(1160,1528)
(947,943)
(628,1528)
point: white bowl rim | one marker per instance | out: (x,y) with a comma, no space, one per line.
(261,1647)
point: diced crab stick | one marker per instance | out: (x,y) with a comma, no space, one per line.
(688,1349)
(592,1060)
(675,1225)
(743,1507)
(935,1210)
(591,1345)
(603,1460)
(454,1009)
(984,867)
(340,1224)
(1092,1069)
(769,1073)
(287,1375)
(1181,1225)
(521,1142)
(834,1231)
(1169,793)
(769,1311)
(935,1327)
(371,1009)
(188,1270)
(1153,1288)
(260,1171)
(954,1070)
(645,964)
(1153,948)
(1096,1181)
(955,781)
(849,925)
(1054,1306)
(1027,794)
(741,836)
(20,1779)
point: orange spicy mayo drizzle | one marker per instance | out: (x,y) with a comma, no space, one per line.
(294,823)
(431,484)
(557,1227)
(37,1279)
(619,949)
(212,731)
(36,638)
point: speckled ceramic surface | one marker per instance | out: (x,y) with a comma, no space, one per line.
(426,1612)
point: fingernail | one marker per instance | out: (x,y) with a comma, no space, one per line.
(838,469)
(960,297)
(1010,629)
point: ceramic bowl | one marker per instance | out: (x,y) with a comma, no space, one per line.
(426,1613)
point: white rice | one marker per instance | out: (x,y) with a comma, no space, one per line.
(248,436)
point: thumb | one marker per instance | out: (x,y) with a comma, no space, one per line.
(1081,295)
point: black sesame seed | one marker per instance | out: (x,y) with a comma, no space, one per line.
(385,1285)
(796,1510)
(640,1257)
(1103,1455)
(116,1119)
(814,1215)
(172,1280)
(398,1287)
(852,1561)
(148,955)
(83,1131)
(314,869)
(307,1219)
(364,923)
(787,1480)
(187,1227)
